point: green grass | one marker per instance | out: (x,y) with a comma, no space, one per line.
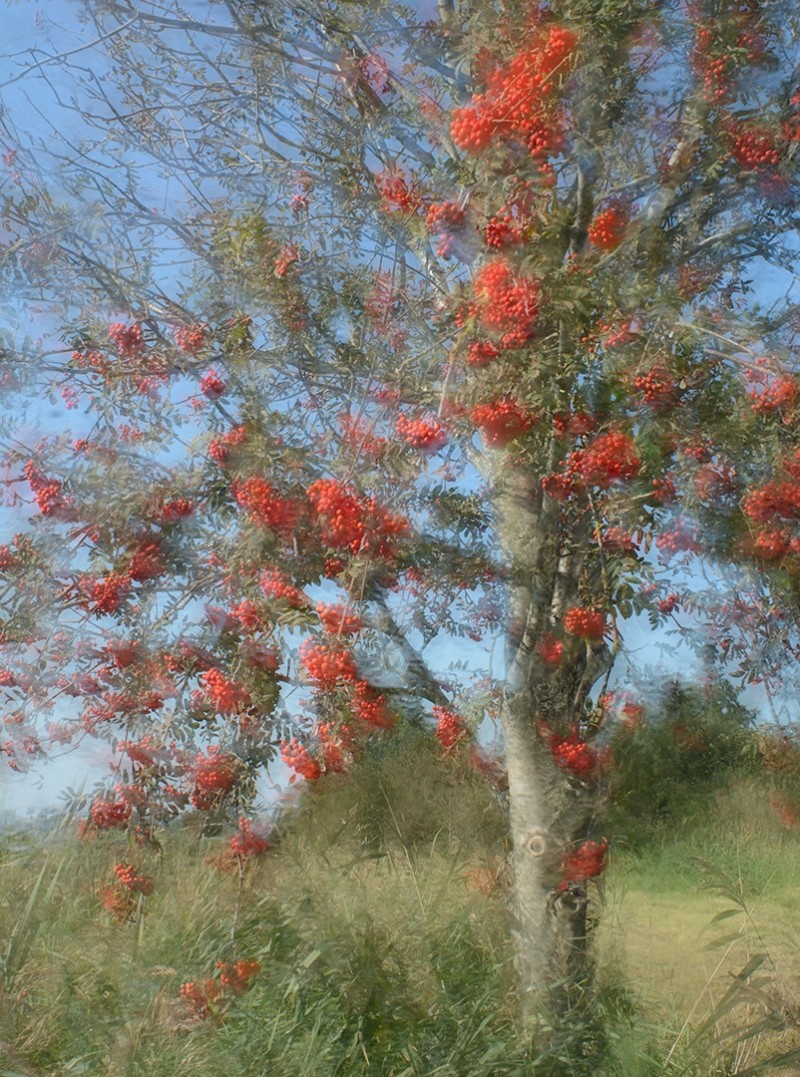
(378,957)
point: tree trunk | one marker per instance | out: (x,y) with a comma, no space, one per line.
(549,924)
(549,811)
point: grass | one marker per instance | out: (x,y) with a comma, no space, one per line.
(378,954)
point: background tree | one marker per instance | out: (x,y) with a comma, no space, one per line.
(436,322)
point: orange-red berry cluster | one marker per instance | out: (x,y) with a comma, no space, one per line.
(128,338)
(131,880)
(190,339)
(327,663)
(360,524)
(265,504)
(278,588)
(585,623)
(575,755)
(247,842)
(337,620)
(104,594)
(48,493)
(399,194)
(450,728)
(608,228)
(517,103)
(204,997)
(214,775)
(212,385)
(426,435)
(585,862)
(609,458)
(296,756)
(107,814)
(226,695)
(501,421)
(507,304)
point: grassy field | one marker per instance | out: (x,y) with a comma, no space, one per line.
(382,951)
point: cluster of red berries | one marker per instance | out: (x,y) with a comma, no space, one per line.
(777,498)
(327,664)
(104,594)
(48,493)
(121,904)
(664,490)
(296,756)
(359,437)
(258,656)
(550,649)
(585,862)
(203,997)
(128,338)
(341,513)
(450,728)
(278,588)
(618,540)
(265,504)
(371,707)
(131,880)
(445,217)
(754,150)
(507,304)
(346,521)
(573,754)
(573,423)
(517,102)
(147,560)
(140,751)
(427,436)
(501,421)
(779,396)
(107,814)
(288,256)
(248,616)
(398,194)
(772,544)
(336,745)
(236,977)
(670,603)
(226,695)
(212,385)
(246,842)
(190,339)
(504,230)
(608,228)
(214,773)
(125,652)
(481,352)
(219,448)
(680,538)
(713,481)
(337,620)
(177,508)
(609,458)
(658,387)
(585,623)
(715,71)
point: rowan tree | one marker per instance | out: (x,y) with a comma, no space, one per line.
(473,323)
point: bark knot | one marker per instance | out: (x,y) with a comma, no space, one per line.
(536,843)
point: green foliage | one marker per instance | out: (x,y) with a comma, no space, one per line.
(377,953)
(404,794)
(667,769)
